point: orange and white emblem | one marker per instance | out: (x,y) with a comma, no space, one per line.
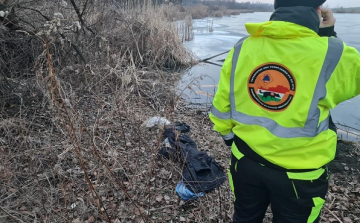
(272,86)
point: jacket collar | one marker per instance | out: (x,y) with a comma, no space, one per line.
(301,15)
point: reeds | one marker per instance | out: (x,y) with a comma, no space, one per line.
(82,79)
(185,29)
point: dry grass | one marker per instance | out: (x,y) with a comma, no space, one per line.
(71,144)
(84,158)
(72,149)
(179,12)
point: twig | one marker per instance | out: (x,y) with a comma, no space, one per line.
(12,216)
(75,47)
(117,181)
(77,10)
(136,44)
(9,196)
(333,214)
(160,208)
(220,202)
(332,202)
(153,165)
(348,127)
(215,64)
(35,10)
(209,58)
(59,103)
(84,8)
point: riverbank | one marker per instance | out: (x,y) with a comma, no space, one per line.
(72,143)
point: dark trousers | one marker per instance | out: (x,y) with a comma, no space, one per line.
(256,186)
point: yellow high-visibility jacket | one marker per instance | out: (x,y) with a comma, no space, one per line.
(275,91)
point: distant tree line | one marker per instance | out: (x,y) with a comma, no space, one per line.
(347,10)
(256,6)
(129,4)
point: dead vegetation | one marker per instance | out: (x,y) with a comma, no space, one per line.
(76,85)
(198,11)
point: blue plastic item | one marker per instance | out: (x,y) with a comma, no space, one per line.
(185,193)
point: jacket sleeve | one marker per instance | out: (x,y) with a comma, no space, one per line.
(328,31)
(352,83)
(346,83)
(220,110)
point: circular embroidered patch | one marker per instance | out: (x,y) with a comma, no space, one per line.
(272,86)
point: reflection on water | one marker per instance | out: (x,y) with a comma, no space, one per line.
(199,83)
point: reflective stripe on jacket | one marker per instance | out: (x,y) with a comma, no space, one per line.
(275,91)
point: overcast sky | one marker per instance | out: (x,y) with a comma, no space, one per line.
(331,3)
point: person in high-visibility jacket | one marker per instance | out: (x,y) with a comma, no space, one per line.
(272,107)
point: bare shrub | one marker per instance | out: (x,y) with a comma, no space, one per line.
(218,14)
(230,12)
(174,12)
(198,11)
(154,39)
(82,78)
